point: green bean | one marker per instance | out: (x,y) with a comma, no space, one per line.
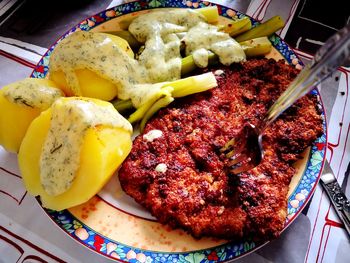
(192,85)
(161,103)
(122,106)
(174,89)
(252,48)
(237,27)
(256,47)
(211,13)
(141,111)
(188,65)
(265,29)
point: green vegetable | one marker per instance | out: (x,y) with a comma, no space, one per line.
(237,27)
(252,48)
(141,111)
(161,103)
(211,13)
(188,65)
(192,85)
(122,106)
(265,29)
(169,91)
(256,47)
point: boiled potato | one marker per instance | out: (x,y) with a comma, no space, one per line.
(91,84)
(15,117)
(122,43)
(102,151)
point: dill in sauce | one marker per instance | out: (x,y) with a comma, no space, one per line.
(32,93)
(98,53)
(160,60)
(158,30)
(70,120)
(206,36)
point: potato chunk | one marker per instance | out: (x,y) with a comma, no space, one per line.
(18,110)
(91,84)
(102,151)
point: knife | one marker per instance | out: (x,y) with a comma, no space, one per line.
(338,199)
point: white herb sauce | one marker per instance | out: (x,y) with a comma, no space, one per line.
(206,36)
(98,53)
(152,135)
(161,168)
(71,118)
(32,93)
(159,62)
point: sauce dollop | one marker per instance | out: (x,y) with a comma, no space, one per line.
(162,34)
(33,93)
(71,118)
(100,54)
(204,36)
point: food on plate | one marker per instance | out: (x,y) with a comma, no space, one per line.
(149,98)
(89,64)
(84,59)
(71,150)
(20,103)
(210,13)
(129,80)
(256,47)
(101,65)
(176,171)
(265,29)
(165,34)
(238,26)
(162,34)
(204,37)
(252,48)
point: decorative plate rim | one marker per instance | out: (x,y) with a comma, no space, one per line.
(222,253)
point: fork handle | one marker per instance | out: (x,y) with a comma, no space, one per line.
(334,53)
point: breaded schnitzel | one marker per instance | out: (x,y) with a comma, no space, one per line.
(176,171)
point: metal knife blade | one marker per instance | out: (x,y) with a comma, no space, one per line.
(338,199)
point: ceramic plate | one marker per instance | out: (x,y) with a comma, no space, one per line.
(112,224)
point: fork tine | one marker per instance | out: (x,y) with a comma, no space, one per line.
(244,167)
(235,151)
(243,151)
(238,159)
(228,145)
(232,153)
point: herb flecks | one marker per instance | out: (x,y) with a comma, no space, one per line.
(32,93)
(56,148)
(21,100)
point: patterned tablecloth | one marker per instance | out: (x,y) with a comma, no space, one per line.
(27,234)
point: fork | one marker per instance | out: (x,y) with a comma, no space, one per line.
(246,151)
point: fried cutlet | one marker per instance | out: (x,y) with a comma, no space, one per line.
(176,171)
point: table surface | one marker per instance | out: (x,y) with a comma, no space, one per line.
(28,235)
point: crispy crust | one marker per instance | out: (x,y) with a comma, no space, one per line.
(196,192)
